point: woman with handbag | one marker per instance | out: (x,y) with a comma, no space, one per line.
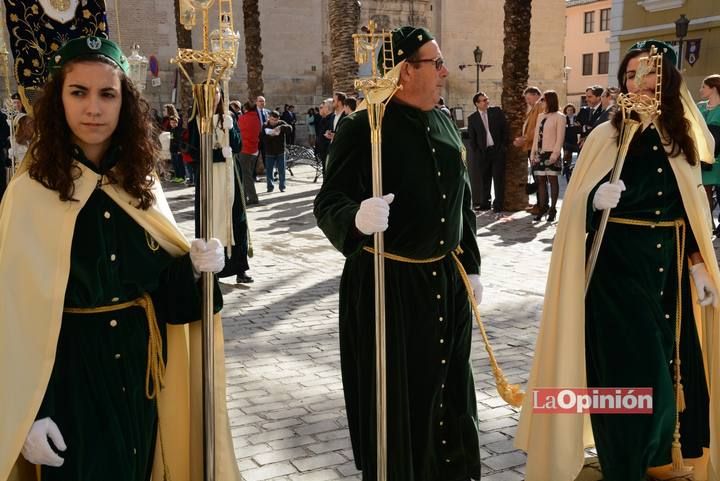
(545,154)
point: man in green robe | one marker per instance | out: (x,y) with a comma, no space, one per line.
(427,219)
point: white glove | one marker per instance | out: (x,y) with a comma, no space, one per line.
(208,257)
(227,152)
(608,195)
(37,449)
(373,214)
(706,290)
(477,287)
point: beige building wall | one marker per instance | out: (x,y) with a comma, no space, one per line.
(465,24)
(647,19)
(578,43)
(296,45)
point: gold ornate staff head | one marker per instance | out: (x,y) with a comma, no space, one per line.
(657,53)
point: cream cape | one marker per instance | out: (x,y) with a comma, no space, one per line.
(36,231)
(555,443)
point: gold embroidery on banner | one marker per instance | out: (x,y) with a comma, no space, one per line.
(60,5)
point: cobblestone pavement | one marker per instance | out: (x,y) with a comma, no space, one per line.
(285,395)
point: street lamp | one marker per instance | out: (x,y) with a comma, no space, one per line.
(479,66)
(681,29)
(225,39)
(138,68)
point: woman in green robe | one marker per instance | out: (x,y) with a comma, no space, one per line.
(98,418)
(636,300)
(710,94)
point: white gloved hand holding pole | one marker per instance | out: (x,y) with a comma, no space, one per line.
(477,287)
(37,449)
(373,214)
(608,195)
(227,152)
(706,290)
(206,257)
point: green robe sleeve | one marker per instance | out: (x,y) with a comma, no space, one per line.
(347,178)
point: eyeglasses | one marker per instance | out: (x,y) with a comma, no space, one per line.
(439,62)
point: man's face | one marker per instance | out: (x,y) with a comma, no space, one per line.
(321,108)
(423,81)
(173,123)
(482,103)
(531,98)
(337,103)
(605,100)
(260,102)
(273,121)
(591,98)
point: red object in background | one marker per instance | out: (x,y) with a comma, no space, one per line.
(154,66)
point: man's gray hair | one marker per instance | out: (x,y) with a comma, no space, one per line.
(328,103)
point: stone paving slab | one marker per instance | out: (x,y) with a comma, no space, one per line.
(281,336)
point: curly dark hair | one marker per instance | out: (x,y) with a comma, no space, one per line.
(53,165)
(672,119)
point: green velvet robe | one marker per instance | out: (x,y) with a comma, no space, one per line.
(630,321)
(96,393)
(432,418)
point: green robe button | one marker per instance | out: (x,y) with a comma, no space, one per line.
(113,323)
(659,170)
(107,214)
(661,270)
(117,356)
(438,296)
(655,147)
(113,257)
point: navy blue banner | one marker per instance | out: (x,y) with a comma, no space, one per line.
(38,28)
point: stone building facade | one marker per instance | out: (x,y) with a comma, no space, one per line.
(296,45)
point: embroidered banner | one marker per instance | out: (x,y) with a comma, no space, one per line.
(39,28)
(692,52)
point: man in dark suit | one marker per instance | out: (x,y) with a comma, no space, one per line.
(607,105)
(589,114)
(487,132)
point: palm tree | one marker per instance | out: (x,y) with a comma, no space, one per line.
(184,40)
(253,48)
(344,19)
(515,76)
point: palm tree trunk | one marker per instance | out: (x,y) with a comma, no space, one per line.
(253,48)
(184,100)
(344,19)
(515,77)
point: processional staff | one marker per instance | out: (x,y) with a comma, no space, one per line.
(646,108)
(378,89)
(215,64)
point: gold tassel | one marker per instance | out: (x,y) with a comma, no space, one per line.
(677,458)
(681,398)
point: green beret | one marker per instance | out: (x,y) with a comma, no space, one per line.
(664,49)
(406,41)
(84,46)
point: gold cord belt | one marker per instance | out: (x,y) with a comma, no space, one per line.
(680,233)
(155,373)
(510,393)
